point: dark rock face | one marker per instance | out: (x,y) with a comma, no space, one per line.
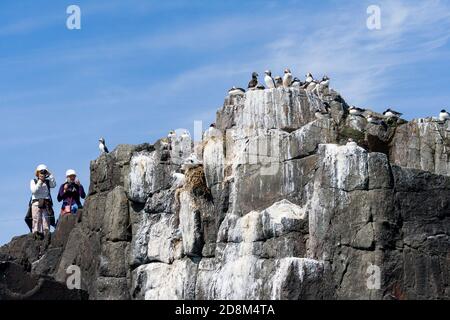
(282,207)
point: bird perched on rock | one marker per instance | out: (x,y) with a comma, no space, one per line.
(278,81)
(287,78)
(102,146)
(372,119)
(296,83)
(444,115)
(178,180)
(254,82)
(389,113)
(191,162)
(270,83)
(310,84)
(309,78)
(354,111)
(212,131)
(323,87)
(259,86)
(236,91)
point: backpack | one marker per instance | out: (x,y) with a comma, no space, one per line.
(51,213)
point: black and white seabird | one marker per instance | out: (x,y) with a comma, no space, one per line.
(372,119)
(287,78)
(236,91)
(102,146)
(191,162)
(259,86)
(309,78)
(325,82)
(354,111)
(270,83)
(444,115)
(296,83)
(254,82)
(389,113)
(278,81)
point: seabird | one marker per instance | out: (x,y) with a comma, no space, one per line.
(102,146)
(309,78)
(444,115)
(212,131)
(354,111)
(278,81)
(389,113)
(191,162)
(236,91)
(287,78)
(372,119)
(254,82)
(325,82)
(260,87)
(178,180)
(270,83)
(296,83)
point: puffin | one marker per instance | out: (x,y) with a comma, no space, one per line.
(372,119)
(354,111)
(444,115)
(236,91)
(309,78)
(102,146)
(270,83)
(325,82)
(278,81)
(296,83)
(287,78)
(389,113)
(254,82)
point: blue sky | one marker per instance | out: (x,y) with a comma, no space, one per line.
(137,69)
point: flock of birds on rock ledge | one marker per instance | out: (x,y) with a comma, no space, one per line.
(317,87)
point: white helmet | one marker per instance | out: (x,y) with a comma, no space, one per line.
(70,172)
(41,167)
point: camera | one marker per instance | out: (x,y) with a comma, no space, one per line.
(71,187)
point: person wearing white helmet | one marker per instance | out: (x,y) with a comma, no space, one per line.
(71,193)
(41,204)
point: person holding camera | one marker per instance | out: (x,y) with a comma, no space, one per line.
(41,200)
(71,193)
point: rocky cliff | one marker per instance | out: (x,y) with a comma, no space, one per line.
(282,207)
